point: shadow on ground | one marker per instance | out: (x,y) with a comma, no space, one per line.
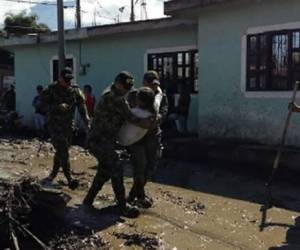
(292,238)
(232,181)
(78,230)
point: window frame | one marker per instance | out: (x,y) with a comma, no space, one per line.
(292,71)
(68,57)
(173,54)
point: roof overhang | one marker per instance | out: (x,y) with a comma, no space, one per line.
(175,6)
(99,31)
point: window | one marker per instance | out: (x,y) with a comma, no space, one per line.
(176,68)
(69,63)
(273,60)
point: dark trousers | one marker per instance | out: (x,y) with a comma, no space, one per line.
(61,140)
(109,167)
(144,156)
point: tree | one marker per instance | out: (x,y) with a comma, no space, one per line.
(22,23)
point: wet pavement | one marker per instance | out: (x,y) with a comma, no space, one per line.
(196,206)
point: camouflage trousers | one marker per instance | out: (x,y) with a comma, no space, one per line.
(144,157)
(61,141)
(109,167)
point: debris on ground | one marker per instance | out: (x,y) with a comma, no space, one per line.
(139,239)
(77,242)
(191,206)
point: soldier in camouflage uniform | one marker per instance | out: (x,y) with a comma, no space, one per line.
(111,113)
(146,152)
(62,98)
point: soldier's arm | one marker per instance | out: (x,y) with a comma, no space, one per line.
(47,100)
(81,105)
(125,111)
(131,99)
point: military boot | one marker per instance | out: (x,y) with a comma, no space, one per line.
(128,211)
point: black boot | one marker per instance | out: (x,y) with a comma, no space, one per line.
(144,202)
(131,197)
(128,211)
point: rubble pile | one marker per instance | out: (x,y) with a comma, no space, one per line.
(20,201)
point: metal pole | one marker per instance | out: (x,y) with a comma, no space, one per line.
(78,14)
(283,136)
(61,36)
(269,201)
(132,15)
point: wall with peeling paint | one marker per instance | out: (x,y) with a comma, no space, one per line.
(224,110)
(106,55)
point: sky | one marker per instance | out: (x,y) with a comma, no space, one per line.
(93,11)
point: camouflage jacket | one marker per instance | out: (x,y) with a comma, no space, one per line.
(111,113)
(55,95)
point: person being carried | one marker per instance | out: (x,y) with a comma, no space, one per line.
(130,133)
(132,136)
(62,99)
(146,153)
(111,113)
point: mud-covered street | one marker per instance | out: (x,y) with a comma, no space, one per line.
(195,206)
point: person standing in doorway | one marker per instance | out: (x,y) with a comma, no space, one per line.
(89,99)
(183,108)
(9,99)
(62,98)
(40,112)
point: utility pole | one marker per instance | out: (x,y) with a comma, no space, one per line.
(132,15)
(61,35)
(144,13)
(78,14)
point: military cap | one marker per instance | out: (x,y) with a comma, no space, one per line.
(152,77)
(67,73)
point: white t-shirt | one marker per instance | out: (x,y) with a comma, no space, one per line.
(130,133)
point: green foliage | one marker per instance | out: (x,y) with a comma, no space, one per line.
(22,23)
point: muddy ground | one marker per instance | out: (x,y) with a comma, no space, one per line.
(196,206)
